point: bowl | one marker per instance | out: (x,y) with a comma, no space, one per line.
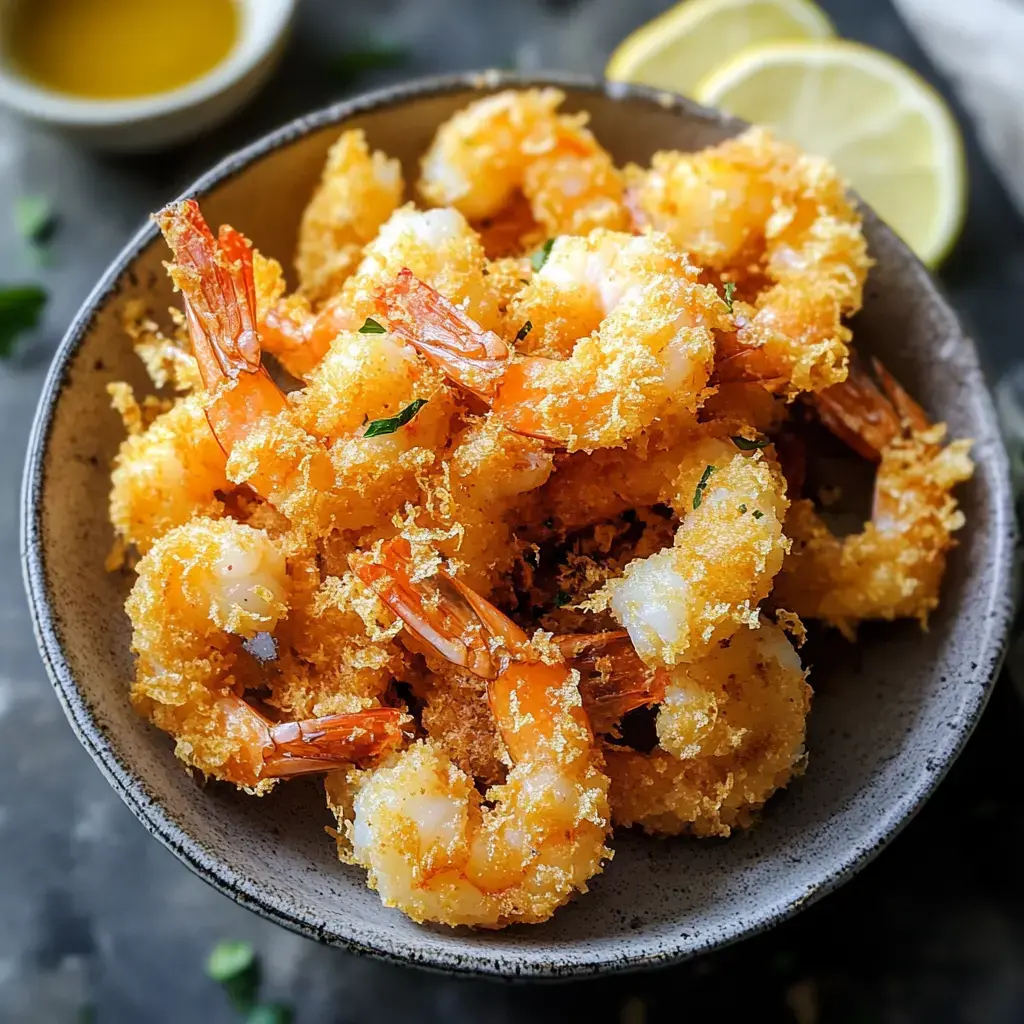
(159,120)
(887,722)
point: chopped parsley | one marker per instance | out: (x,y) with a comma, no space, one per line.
(730,289)
(374,55)
(21,306)
(540,257)
(234,965)
(758,514)
(524,331)
(562,599)
(743,509)
(749,444)
(34,218)
(372,327)
(698,494)
(377,428)
(270,1013)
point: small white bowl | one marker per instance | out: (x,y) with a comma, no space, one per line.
(161,119)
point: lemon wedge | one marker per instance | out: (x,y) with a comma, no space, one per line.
(680,47)
(886,129)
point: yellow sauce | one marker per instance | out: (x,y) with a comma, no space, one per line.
(118,49)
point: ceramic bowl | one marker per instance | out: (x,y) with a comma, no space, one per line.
(148,123)
(887,721)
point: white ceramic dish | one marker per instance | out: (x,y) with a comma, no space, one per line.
(162,119)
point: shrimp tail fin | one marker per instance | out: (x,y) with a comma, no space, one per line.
(334,741)
(215,275)
(906,408)
(440,610)
(613,678)
(473,358)
(858,412)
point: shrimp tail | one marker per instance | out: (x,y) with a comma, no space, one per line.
(858,412)
(439,610)
(215,276)
(334,741)
(474,358)
(613,679)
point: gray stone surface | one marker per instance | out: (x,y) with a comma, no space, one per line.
(95,913)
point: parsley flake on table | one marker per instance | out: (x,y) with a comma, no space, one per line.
(21,307)
(378,55)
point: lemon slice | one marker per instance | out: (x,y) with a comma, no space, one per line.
(886,129)
(678,48)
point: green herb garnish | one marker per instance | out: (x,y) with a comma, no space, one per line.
(730,289)
(540,257)
(20,309)
(34,218)
(372,327)
(562,599)
(698,494)
(234,965)
(377,428)
(270,1013)
(758,514)
(523,332)
(347,67)
(743,509)
(747,444)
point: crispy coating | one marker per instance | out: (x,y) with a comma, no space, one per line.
(529,494)
(756,209)
(358,191)
(731,733)
(517,142)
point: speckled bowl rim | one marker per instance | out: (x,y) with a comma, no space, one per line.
(830,874)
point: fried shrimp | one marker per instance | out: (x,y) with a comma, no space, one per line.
(497,558)
(358,191)
(517,142)
(279,446)
(644,341)
(731,733)
(431,844)
(679,601)
(438,246)
(165,474)
(203,588)
(891,569)
(778,224)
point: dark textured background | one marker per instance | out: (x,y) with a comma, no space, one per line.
(95,914)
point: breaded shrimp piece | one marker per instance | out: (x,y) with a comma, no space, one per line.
(759,209)
(731,733)
(893,568)
(483,482)
(277,443)
(515,141)
(431,844)
(677,603)
(165,474)
(437,245)
(643,350)
(202,588)
(357,193)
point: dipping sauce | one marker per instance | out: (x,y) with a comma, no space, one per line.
(118,49)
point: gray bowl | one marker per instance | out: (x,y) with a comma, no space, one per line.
(887,722)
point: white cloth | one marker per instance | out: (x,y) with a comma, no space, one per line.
(979,46)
